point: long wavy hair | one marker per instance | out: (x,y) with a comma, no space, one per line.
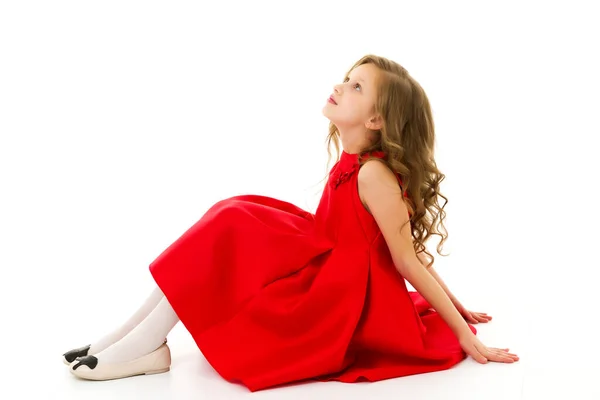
(407,139)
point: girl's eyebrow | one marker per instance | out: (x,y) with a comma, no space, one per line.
(358,79)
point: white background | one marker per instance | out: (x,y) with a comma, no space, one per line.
(122,122)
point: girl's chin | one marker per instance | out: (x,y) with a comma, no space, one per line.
(327,115)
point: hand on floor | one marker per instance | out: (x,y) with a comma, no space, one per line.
(482,354)
(472,316)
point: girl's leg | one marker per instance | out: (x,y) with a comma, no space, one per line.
(116,335)
(146,337)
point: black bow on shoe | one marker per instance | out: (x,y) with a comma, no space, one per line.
(90,361)
(72,355)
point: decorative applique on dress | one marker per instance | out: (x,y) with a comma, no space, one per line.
(345,170)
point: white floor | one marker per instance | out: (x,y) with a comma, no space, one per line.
(45,324)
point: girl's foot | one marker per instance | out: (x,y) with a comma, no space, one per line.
(113,337)
(93,368)
(75,354)
(144,339)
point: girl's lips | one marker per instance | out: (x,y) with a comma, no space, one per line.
(331,100)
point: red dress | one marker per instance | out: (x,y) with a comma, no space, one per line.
(274,294)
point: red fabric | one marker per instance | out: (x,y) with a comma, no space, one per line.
(273,294)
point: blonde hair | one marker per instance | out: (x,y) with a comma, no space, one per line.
(407,139)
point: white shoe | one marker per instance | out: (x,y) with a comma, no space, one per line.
(75,354)
(157,362)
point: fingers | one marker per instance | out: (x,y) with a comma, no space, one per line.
(476,317)
(481,317)
(471,318)
(501,355)
(502,358)
(483,354)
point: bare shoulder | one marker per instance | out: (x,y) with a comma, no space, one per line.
(376,180)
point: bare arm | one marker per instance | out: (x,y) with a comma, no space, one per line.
(437,277)
(383,197)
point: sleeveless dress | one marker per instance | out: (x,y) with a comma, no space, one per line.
(273,294)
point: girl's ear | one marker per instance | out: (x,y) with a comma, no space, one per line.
(375,123)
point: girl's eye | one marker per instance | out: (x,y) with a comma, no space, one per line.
(355,85)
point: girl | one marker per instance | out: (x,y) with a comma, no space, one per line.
(273,294)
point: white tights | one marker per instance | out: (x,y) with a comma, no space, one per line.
(141,334)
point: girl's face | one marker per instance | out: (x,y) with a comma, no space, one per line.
(355,99)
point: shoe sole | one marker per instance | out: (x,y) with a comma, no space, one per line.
(158,371)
